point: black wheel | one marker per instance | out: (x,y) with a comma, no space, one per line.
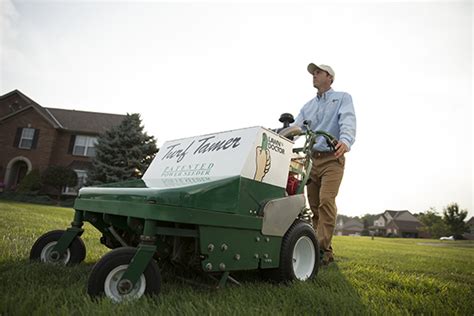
(299,255)
(42,249)
(107,272)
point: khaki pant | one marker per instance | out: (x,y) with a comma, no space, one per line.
(326,177)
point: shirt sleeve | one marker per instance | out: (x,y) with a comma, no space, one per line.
(347,121)
(301,117)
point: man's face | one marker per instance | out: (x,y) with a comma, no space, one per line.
(321,79)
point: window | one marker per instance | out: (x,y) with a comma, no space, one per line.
(84,146)
(81,180)
(26,140)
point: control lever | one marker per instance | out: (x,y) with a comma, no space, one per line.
(286,119)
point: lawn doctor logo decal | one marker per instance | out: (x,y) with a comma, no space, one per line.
(271,159)
(263,159)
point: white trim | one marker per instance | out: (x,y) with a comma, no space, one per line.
(74,190)
(23,137)
(89,143)
(54,118)
(10,166)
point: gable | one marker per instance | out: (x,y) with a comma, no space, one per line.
(381,221)
(26,117)
(10,131)
(13,102)
(470,222)
(390,214)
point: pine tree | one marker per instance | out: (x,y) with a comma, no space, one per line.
(124,152)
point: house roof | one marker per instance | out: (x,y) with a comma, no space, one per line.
(395,217)
(82,121)
(19,93)
(352,223)
(470,221)
(70,120)
(392,213)
(395,214)
(408,226)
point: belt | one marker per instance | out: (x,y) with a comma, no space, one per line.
(323,153)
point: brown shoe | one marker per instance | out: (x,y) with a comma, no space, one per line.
(327,259)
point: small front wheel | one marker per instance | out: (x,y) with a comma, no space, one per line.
(42,250)
(106,275)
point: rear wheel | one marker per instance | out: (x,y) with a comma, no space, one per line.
(299,255)
(42,249)
(105,278)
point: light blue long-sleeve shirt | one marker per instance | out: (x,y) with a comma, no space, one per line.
(332,112)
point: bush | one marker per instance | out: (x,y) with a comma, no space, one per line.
(36,199)
(59,177)
(31,183)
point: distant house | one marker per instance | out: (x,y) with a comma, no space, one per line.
(470,229)
(470,224)
(397,223)
(35,137)
(351,227)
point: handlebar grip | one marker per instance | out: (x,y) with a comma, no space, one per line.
(332,144)
(290,131)
(330,140)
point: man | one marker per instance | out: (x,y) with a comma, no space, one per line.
(332,112)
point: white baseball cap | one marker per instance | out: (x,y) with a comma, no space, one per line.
(312,67)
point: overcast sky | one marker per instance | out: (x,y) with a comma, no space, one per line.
(196,68)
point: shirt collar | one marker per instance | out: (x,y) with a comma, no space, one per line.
(325,95)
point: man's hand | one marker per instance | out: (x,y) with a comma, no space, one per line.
(341,149)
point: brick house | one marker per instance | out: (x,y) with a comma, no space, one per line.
(470,229)
(470,225)
(397,223)
(35,137)
(351,227)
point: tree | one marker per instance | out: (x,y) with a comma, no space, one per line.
(433,223)
(123,152)
(343,218)
(59,177)
(368,220)
(31,183)
(454,219)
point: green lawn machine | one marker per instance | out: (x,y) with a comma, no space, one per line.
(212,204)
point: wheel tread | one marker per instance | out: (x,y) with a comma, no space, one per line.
(283,273)
(77,247)
(114,258)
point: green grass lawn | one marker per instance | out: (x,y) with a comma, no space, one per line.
(380,277)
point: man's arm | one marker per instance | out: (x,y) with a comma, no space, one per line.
(347,125)
(302,116)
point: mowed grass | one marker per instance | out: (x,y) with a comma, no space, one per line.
(370,277)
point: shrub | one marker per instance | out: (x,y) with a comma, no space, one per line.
(31,183)
(59,177)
